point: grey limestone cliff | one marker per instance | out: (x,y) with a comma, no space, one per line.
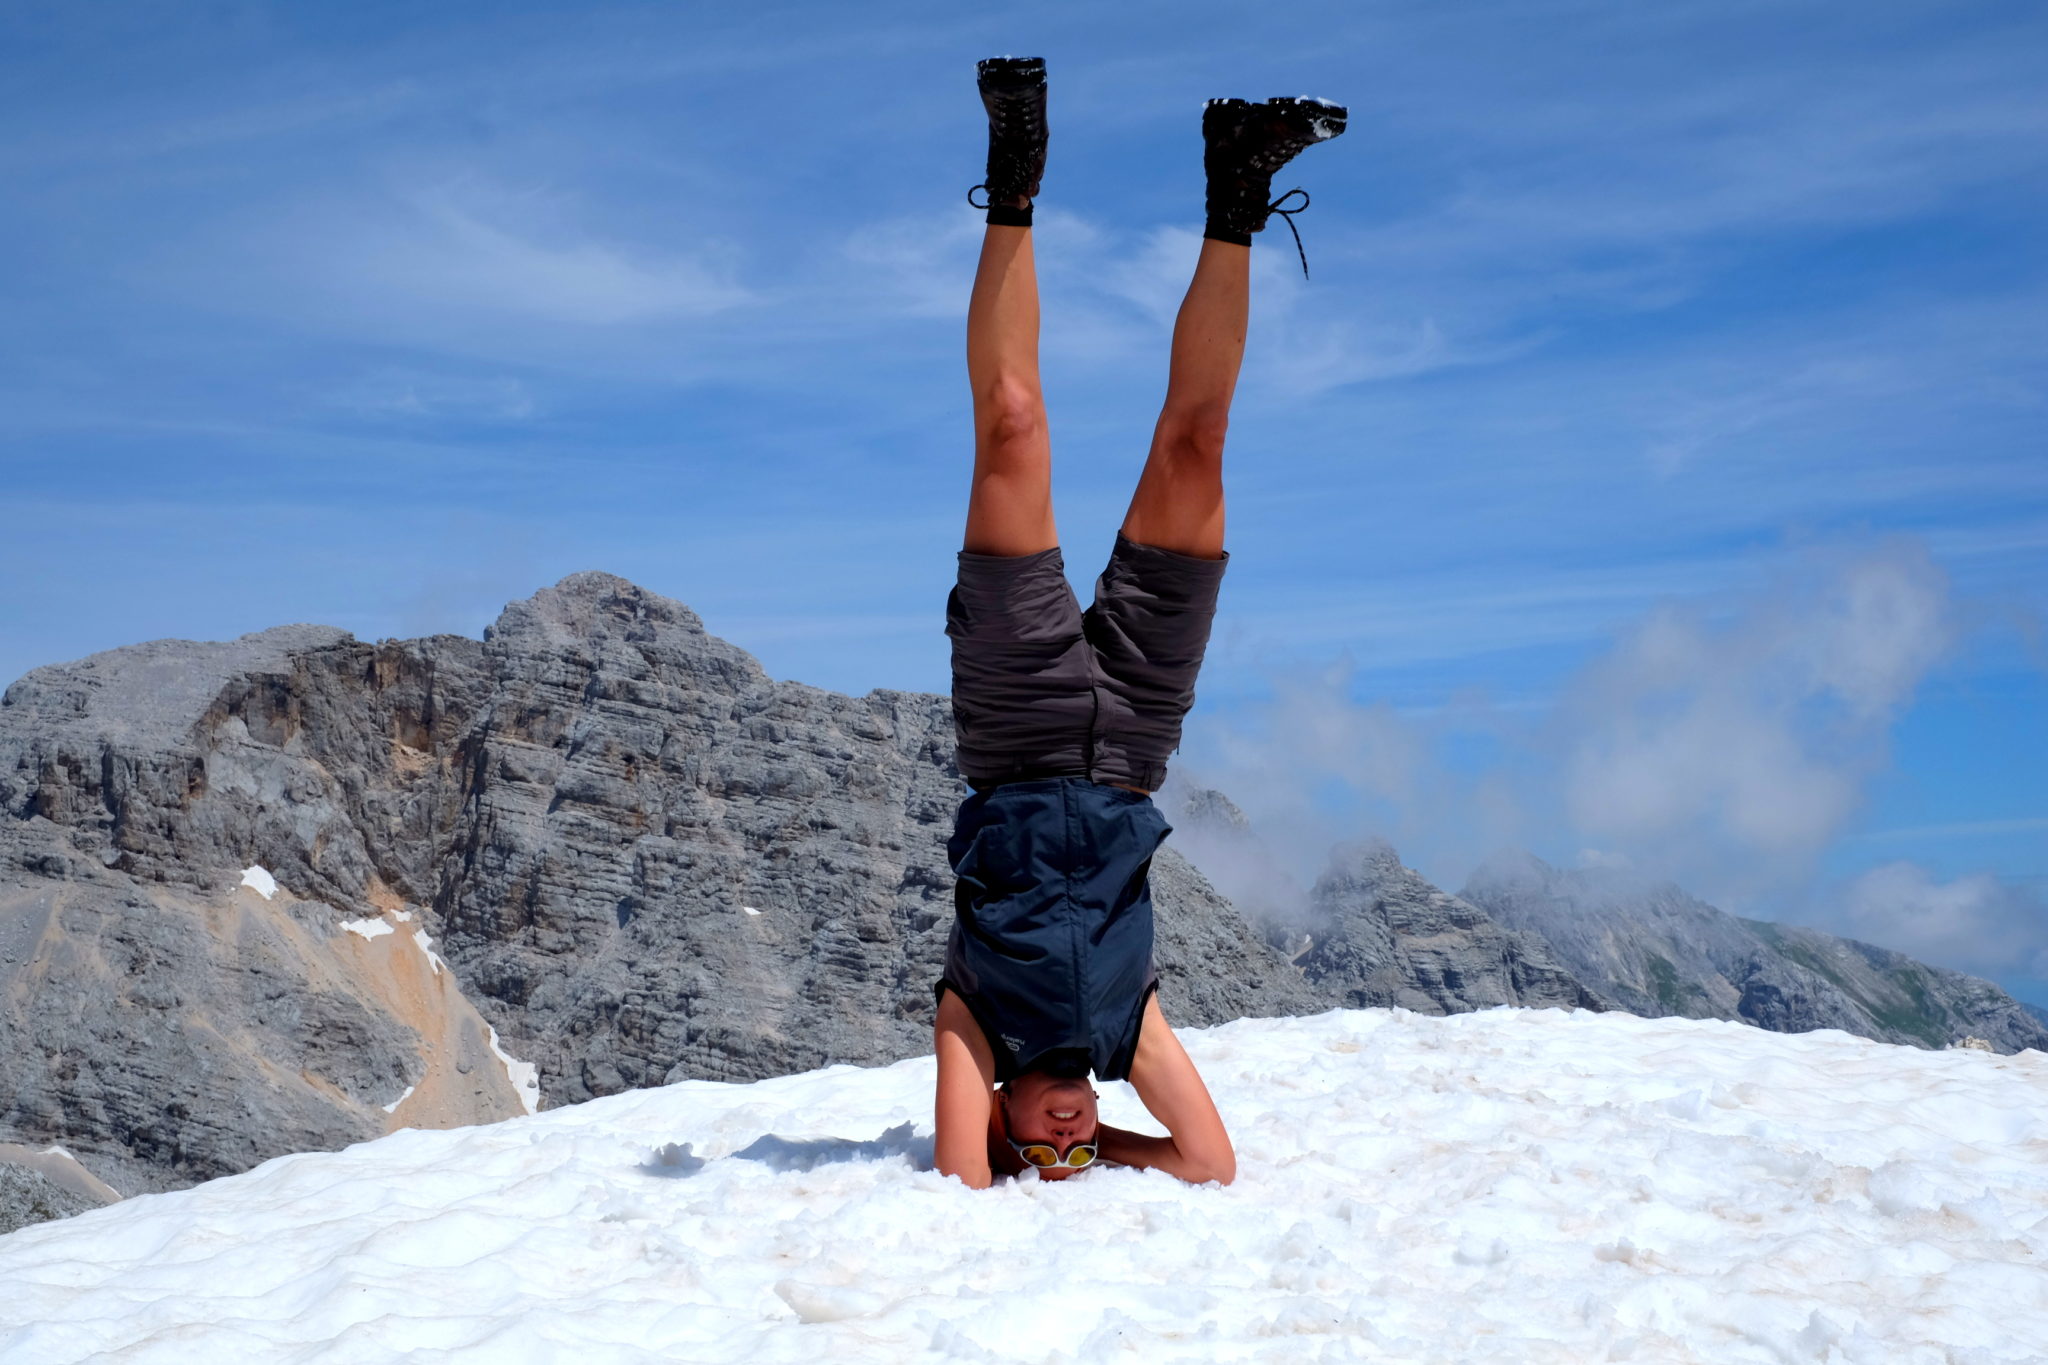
(1371,932)
(28,1196)
(36,1186)
(600,843)
(1654,950)
(1388,937)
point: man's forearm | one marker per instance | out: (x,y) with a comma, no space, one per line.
(1126,1148)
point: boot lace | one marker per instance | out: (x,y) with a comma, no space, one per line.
(1279,206)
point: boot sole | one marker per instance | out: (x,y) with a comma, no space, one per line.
(1320,119)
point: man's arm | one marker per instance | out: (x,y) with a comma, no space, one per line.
(1198,1147)
(963,1116)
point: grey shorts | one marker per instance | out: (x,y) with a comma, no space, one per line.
(1043,689)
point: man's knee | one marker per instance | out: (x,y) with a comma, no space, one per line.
(1009,420)
(1195,438)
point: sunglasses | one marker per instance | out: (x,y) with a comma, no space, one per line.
(1043,1154)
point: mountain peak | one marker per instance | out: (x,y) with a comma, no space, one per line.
(592,603)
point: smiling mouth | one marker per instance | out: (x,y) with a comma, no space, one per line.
(1064,1114)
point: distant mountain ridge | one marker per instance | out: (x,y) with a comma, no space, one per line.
(1653,950)
(601,849)
(1383,935)
(1597,938)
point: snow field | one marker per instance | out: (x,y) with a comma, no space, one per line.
(1513,1186)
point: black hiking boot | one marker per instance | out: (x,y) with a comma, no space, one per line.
(1243,145)
(1013,91)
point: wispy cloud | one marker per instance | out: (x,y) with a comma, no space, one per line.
(1976,923)
(472,264)
(435,395)
(1752,737)
(1728,741)
(1961,829)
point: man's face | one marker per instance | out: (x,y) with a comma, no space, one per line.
(1042,1108)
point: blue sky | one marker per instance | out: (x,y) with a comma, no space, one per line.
(1652,471)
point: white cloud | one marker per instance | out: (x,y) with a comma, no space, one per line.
(1751,736)
(466,268)
(1601,858)
(1975,923)
(917,268)
(1702,421)
(457,248)
(428,394)
(1314,766)
(1725,741)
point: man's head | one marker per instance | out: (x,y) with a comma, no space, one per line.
(1053,1108)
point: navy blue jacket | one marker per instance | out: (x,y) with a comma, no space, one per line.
(1052,938)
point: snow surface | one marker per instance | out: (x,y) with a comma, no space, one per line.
(259,878)
(1512,1186)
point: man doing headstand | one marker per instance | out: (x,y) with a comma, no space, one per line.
(1065,718)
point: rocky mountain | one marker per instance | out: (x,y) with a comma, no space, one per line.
(1371,932)
(26,1196)
(36,1186)
(1390,938)
(1653,950)
(296,890)
(2038,1011)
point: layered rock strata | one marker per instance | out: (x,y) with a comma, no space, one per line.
(600,843)
(1389,938)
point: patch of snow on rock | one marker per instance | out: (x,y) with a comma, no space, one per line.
(525,1075)
(426,946)
(1506,1186)
(392,1107)
(259,880)
(368,928)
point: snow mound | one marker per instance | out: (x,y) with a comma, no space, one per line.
(1513,1186)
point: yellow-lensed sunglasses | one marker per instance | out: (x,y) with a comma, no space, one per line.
(1044,1154)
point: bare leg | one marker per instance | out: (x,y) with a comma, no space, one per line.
(1009,510)
(1179,502)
